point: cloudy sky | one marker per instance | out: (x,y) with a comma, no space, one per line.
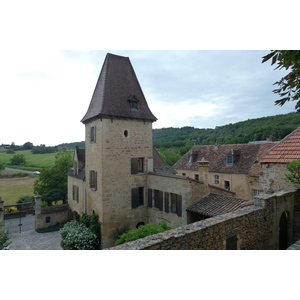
(44,94)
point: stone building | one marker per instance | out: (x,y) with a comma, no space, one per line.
(232,170)
(273,163)
(120,176)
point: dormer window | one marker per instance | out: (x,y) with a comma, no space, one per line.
(133,102)
(229,160)
(190,159)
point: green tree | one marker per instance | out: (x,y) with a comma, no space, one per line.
(289,85)
(55,195)
(1,167)
(141,232)
(55,177)
(18,159)
(294,171)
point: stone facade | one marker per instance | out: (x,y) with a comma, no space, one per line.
(255,227)
(50,216)
(272,177)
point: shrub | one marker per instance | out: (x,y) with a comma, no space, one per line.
(4,238)
(76,236)
(294,171)
(141,232)
(18,159)
(91,222)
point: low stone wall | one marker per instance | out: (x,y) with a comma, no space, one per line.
(50,216)
(255,228)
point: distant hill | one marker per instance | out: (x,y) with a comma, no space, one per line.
(172,142)
(238,133)
(72,145)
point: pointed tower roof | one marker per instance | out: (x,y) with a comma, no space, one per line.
(118,93)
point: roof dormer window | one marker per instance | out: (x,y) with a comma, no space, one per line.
(229,160)
(133,101)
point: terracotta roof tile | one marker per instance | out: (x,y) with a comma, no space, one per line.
(285,151)
(213,205)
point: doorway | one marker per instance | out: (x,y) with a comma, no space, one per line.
(283,231)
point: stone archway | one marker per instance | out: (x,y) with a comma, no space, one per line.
(283,231)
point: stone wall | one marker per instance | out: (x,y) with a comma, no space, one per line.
(255,228)
(50,216)
(272,177)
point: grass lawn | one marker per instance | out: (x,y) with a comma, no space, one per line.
(11,189)
(33,161)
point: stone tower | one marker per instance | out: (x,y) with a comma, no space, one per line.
(119,153)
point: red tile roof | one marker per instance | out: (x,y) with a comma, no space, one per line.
(285,151)
(159,165)
(116,87)
(213,205)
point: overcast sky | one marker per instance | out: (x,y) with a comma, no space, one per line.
(45,94)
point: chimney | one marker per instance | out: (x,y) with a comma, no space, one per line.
(203,168)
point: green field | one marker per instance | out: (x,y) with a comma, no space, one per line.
(11,189)
(33,161)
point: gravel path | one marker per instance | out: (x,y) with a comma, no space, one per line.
(32,240)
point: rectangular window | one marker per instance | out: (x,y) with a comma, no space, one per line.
(176,204)
(190,159)
(48,219)
(137,197)
(149,198)
(167,205)
(93,180)
(93,134)
(216,179)
(229,160)
(75,193)
(141,196)
(140,165)
(197,177)
(227,185)
(173,203)
(255,193)
(156,198)
(137,165)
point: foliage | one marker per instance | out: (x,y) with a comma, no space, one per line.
(11,209)
(76,236)
(28,146)
(119,231)
(18,159)
(55,195)
(1,167)
(172,143)
(289,85)
(55,177)
(10,151)
(25,199)
(4,238)
(294,171)
(91,222)
(141,232)
(43,150)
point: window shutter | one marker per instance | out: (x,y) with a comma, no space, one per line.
(161,200)
(95,133)
(149,198)
(134,198)
(134,165)
(95,181)
(166,202)
(179,205)
(90,179)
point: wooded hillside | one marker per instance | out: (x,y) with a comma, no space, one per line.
(172,143)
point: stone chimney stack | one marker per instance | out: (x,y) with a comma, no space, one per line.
(203,167)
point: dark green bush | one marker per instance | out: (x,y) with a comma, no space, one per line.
(141,232)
